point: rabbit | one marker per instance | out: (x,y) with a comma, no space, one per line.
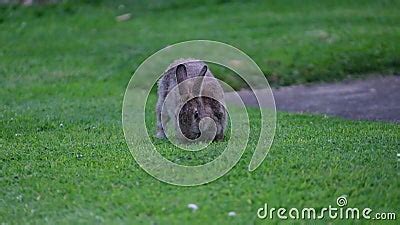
(198,98)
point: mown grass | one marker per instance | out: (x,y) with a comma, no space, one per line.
(63,71)
(82,171)
(293,42)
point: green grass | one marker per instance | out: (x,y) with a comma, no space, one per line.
(70,65)
(293,42)
(84,172)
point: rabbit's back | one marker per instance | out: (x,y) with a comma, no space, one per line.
(193,67)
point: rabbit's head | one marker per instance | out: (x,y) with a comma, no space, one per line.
(202,113)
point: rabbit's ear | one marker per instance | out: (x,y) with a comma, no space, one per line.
(199,81)
(181,73)
(203,71)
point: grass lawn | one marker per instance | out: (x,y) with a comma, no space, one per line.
(63,72)
(293,42)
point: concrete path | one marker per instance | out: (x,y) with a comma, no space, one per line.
(375,98)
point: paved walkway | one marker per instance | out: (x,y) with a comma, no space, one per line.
(376,98)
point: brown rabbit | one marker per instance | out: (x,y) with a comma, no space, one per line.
(193,104)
